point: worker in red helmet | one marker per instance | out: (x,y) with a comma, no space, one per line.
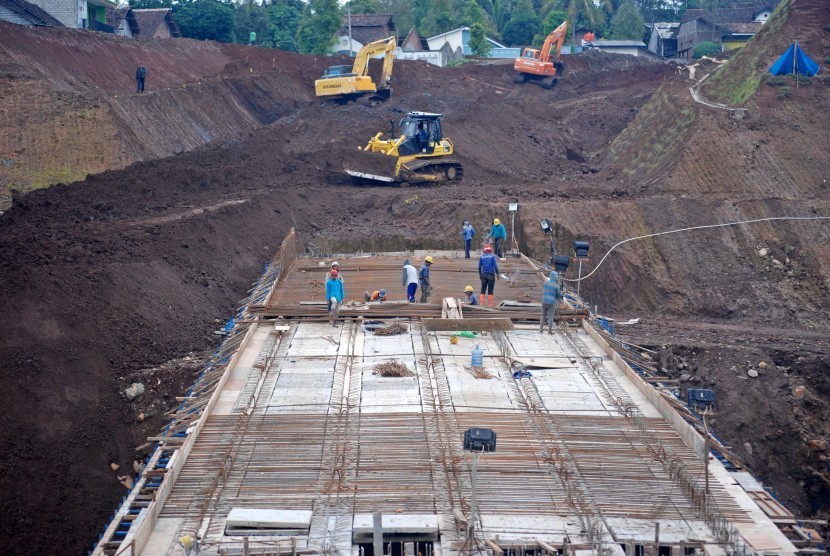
(488,271)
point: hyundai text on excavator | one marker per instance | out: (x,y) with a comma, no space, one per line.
(536,65)
(338,83)
(420,155)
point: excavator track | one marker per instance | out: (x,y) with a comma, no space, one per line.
(432,170)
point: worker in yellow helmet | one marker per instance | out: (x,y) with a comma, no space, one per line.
(470,296)
(423,276)
(499,234)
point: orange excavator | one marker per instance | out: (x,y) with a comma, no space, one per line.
(536,65)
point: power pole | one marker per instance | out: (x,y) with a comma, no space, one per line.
(349,11)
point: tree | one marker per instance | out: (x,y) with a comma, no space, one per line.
(706,49)
(658,10)
(523,25)
(206,19)
(627,23)
(554,19)
(363,6)
(439,19)
(251,16)
(284,16)
(318,27)
(474,14)
(479,45)
(150,4)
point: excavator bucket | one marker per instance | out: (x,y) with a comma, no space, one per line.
(371,166)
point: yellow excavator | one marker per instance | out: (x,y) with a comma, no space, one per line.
(345,83)
(421,154)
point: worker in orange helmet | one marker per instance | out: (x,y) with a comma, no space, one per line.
(488,271)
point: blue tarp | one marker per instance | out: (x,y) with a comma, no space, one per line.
(803,64)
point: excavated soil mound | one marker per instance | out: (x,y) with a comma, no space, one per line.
(104,280)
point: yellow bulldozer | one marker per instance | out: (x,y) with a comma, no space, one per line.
(344,83)
(421,154)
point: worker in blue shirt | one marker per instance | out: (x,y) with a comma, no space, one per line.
(423,276)
(334,296)
(488,271)
(551,294)
(499,234)
(470,296)
(468,232)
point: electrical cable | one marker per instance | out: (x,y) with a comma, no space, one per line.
(694,228)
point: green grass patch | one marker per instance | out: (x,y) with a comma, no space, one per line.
(655,135)
(736,81)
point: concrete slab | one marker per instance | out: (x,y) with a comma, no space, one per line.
(397,524)
(261,518)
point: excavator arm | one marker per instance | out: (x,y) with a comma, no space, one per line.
(556,36)
(383,46)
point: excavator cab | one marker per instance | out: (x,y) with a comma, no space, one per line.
(337,71)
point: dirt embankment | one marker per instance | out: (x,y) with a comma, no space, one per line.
(128,269)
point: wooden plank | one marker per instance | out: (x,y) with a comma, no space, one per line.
(546,547)
(458,325)
(497,551)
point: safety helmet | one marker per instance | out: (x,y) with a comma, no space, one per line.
(496,221)
(553,275)
(468,289)
(335,264)
(488,248)
(334,273)
(429,260)
(382,293)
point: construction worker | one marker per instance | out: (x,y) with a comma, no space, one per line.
(423,276)
(410,280)
(334,296)
(140,74)
(335,266)
(488,271)
(470,296)
(467,231)
(551,294)
(377,295)
(499,234)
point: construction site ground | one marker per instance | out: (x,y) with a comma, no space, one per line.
(125,276)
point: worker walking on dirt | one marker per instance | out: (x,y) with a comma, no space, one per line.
(423,276)
(377,295)
(470,296)
(468,232)
(499,234)
(252,41)
(551,294)
(334,296)
(140,74)
(488,271)
(410,280)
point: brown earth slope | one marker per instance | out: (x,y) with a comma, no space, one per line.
(131,268)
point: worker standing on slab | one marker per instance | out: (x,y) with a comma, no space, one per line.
(410,280)
(140,74)
(470,296)
(335,266)
(551,294)
(499,234)
(468,232)
(423,276)
(334,295)
(488,271)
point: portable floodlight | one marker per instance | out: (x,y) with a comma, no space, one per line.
(581,249)
(547,225)
(561,263)
(477,439)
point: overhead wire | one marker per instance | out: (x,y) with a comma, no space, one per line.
(691,229)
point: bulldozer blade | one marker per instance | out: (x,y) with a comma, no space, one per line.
(371,166)
(374,177)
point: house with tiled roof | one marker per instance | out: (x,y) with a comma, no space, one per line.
(26,13)
(123,21)
(730,27)
(366,28)
(75,14)
(157,23)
